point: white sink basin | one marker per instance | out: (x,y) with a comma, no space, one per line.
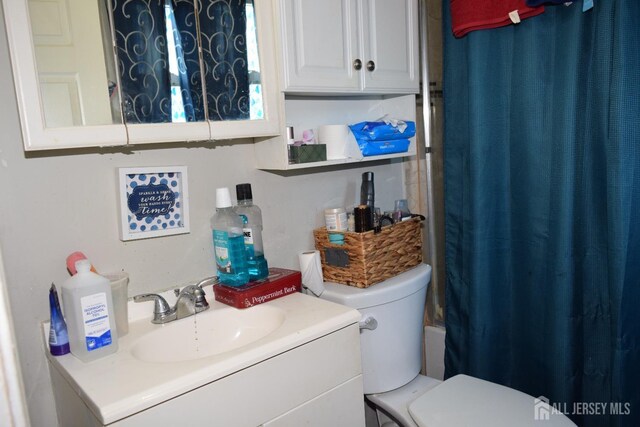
(208,333)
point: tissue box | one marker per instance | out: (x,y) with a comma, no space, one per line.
(279,282)
(308,153)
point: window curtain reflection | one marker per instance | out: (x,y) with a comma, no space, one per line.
(157,50)
(224,50)
(255,86)
(159,65)
(186,22)
(141,45)
(181,104)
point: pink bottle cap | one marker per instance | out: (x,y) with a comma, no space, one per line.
(71,262)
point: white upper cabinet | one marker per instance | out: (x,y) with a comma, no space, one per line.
(107,73)
(321,45)
(390,33)
(350,46)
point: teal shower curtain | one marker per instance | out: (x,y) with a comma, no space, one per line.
(542,201)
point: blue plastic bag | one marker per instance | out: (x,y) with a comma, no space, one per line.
(376,148)
(376,138)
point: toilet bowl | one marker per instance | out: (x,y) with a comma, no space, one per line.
(391,331)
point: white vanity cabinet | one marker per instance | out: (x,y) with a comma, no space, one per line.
(307,372)
(318,384)
(350,46)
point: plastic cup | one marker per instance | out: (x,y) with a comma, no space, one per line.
(120,293)
(400,210)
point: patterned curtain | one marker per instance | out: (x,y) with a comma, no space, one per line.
(223,30)
(160,77)
(143,65)
(182,104)
(186,20)
(160,72)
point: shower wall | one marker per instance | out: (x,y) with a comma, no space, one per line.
(416,171)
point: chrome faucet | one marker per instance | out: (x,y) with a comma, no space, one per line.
(191,300)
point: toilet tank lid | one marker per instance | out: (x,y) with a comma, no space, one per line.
(392,289)
(464,401)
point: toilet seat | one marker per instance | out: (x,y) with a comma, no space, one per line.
(395,403)
(464,401)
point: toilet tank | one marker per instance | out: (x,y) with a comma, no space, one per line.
(392,352)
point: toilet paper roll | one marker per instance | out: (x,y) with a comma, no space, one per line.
(311,268)
(335,138)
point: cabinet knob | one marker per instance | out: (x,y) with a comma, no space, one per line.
(357,64)
(371,65)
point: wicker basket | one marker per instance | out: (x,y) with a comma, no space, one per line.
(372,257)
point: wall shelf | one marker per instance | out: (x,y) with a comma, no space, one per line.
(341,71)
(309,112)
(338,162)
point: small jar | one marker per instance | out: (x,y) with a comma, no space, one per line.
(351,222)
(335,219)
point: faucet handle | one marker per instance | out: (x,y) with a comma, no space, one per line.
(199,293)
(200,297)
(208,281)
(161,309)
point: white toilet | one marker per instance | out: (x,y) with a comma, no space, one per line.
(391,339)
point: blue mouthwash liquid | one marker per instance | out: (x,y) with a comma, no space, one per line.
(258,267)
(230,257)
(252,228)
(228,242)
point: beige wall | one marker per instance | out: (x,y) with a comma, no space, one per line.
(55,203)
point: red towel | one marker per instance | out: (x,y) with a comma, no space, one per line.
(470,15)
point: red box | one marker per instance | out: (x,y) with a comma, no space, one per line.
(279,283)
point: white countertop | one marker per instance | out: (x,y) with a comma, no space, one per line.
(120,385)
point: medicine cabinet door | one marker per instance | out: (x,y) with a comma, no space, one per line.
(64,74)
(193,70)
(111,72)
(240,69)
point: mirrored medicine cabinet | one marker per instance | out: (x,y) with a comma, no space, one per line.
(114,72)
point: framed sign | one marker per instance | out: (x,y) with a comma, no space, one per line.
(154,202)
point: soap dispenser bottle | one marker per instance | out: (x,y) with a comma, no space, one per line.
(58,335)
(228,242)
(252,227)
(88,308)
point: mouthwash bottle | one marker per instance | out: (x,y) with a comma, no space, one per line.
(252,227)
(228,242)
